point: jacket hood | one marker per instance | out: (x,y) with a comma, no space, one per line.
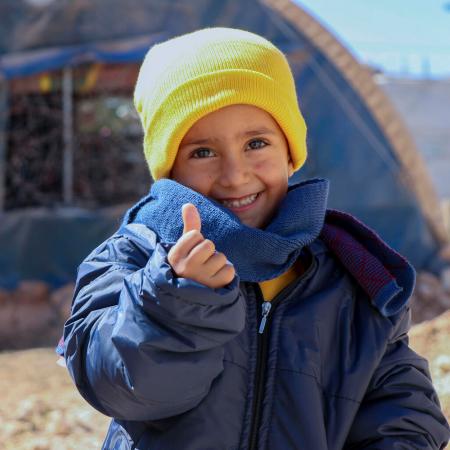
(386,276)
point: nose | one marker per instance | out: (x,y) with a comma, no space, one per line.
(235,170)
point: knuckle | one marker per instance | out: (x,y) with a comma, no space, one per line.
(222,259)
(209,245)
(191,237)
(172,257)
(229,271)
(182,268)
(195,235)
(225,275)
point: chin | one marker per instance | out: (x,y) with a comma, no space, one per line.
(254,223)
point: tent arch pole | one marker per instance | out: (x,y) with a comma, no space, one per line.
(67,97)
(377,103)
(391,163)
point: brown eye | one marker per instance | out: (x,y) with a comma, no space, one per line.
(256,144)
(202,153)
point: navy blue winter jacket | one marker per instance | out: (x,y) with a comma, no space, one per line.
(179,366)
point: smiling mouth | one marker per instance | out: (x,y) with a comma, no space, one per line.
(241,202)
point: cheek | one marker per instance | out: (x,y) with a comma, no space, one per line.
(260,166)
(272,172)
(263,166)
(199,182)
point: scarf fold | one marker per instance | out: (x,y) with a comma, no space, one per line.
(257,254)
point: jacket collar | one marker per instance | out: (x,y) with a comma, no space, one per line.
(260,255)
(386,276)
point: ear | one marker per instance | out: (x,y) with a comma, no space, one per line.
(290,167)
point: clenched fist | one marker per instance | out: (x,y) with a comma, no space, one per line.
(195,257)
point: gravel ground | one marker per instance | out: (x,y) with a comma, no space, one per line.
(40,407)
(41,410)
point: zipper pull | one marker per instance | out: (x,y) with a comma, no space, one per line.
(265,312)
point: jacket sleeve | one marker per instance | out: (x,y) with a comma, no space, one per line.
(142,344)
(400,410)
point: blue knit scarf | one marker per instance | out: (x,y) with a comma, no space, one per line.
(257,254)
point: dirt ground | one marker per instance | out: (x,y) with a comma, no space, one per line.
(431,339)
(40,407)
(41,410)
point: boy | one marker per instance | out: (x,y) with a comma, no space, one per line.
(231,311)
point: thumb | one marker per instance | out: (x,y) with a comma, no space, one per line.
(191,218)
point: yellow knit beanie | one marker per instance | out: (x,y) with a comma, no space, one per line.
(187,77)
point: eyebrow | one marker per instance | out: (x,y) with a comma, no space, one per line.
(262,130)
(247,133)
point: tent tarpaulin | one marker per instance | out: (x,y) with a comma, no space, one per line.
(31,62)
(355,137)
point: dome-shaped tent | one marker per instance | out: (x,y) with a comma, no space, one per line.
(355,138)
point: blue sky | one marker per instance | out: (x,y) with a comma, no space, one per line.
(402,37)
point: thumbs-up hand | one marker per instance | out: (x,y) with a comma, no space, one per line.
(195,257)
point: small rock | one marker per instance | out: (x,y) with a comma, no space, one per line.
(442,385)
(429,298)
(33,315)
(61,299)
(30,291)
(30,407)
(428,286)
(4,296)
(57,424)
(442,364)
(39,443)
(15,427)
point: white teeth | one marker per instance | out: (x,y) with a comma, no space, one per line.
(238,203)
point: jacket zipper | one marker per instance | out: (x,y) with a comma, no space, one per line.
(265,308)
(265,311)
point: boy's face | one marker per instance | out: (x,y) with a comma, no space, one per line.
(238,156)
